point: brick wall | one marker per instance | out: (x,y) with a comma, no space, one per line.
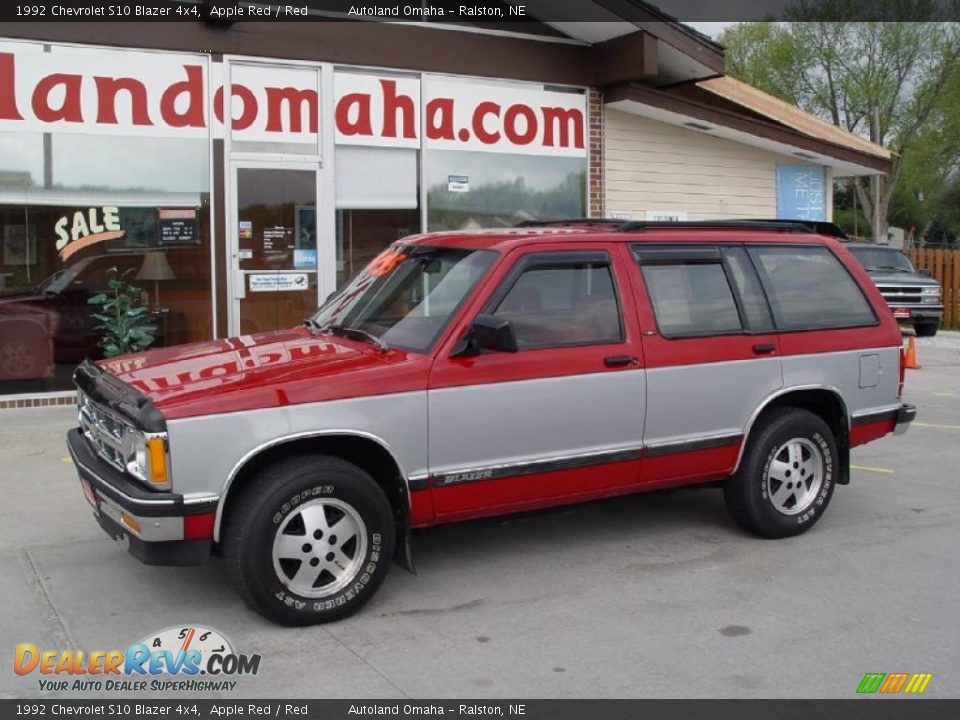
(595,164)
(39,400)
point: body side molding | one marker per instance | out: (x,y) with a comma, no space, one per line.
(534,467)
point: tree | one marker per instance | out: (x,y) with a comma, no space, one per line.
(890,81)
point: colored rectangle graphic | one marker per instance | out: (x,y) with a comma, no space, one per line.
(894,683)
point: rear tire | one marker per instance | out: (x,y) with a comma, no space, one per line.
(309,540)
(786,477)
(928,329)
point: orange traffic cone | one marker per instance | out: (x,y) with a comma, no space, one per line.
(910,362)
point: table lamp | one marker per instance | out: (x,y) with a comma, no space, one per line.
(156,267)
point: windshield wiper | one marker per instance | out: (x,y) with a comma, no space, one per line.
(348,331)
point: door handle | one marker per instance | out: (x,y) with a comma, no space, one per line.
(619,360)
(764,348)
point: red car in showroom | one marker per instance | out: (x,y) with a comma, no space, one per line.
(70,332)
(26,341)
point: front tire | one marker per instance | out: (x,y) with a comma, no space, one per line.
(309,540)
(786,478)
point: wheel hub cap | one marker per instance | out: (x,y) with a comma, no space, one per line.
(795,476)
(319,548)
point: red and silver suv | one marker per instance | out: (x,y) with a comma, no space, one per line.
(465,374)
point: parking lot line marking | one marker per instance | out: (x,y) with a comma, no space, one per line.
(66,459)
(871,469)
(953,395)
(937,425)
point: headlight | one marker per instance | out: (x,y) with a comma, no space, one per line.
(149,459)
(930,295)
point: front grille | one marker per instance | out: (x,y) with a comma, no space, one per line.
(106,434)
(896,294)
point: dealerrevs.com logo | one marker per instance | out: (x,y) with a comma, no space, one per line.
(187,658)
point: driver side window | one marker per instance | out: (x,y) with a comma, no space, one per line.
(557,303)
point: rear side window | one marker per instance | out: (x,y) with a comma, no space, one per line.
(808,289)
(691,298)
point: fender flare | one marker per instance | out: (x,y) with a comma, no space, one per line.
(403,555)
(780,392)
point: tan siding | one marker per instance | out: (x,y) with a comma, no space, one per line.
(651,165)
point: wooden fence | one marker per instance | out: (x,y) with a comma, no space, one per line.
(945,267)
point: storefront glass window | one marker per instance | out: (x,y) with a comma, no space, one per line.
(72,207)
(377,196)
(472,190)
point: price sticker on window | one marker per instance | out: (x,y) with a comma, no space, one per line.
(385,262)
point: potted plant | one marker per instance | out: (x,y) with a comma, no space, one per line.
(126,324)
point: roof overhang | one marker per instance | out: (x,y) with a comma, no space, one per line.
(744,96)
(683,54)
(744,129)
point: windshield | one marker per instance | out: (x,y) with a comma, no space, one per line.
(62,279)
(406,296)
(874,259)
(56,282)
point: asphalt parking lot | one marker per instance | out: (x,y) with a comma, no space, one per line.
(654,595)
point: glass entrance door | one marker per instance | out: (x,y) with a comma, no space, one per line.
(274,245)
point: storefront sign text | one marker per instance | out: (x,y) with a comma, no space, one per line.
(166,95)
(278,282)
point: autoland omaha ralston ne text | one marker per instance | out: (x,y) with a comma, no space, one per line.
(430,11)
(482,710)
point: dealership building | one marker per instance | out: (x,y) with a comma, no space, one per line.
(240,173)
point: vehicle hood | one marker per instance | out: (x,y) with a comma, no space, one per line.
(20,297)
(19,307)
(251,371)
(883,277)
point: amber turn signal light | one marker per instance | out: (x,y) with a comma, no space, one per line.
(157,450)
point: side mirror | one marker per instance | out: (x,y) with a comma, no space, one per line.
(493,333)
(487,333)
(926,272)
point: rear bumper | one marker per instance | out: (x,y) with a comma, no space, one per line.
(159,528)
(905,415)
(874,424)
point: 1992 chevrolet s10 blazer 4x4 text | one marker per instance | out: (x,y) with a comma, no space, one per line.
(465,374)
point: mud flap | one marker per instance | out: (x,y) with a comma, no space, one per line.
(403,550)
(843,476)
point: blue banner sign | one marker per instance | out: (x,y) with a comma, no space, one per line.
(801,193)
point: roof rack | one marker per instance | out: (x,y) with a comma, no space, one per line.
(611,223)
(816,227)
